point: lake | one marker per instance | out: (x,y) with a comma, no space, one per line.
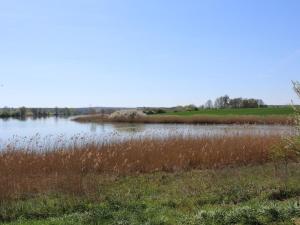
(41,132)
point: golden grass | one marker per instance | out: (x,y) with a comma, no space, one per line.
(70,170)
(197,119)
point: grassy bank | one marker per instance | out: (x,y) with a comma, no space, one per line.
(207,116)
(244,195)
(179,180)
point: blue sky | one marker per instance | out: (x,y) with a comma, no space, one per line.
(147,53)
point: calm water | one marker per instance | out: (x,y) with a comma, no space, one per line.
(49,130)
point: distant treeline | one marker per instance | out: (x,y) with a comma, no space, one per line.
(226,102)
(220,103)
(24,112)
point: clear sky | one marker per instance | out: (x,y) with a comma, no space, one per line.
(147,52)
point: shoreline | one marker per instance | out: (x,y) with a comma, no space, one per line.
(203,119)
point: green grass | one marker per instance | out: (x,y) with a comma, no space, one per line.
(280,111)
(247,195)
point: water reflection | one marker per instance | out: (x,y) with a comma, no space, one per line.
(128,127)
(93,127)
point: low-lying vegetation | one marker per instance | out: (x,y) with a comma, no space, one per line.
(244,195)
(177,180)
(25,172)
(194,119)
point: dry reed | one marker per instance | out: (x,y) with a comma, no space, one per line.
(71,169)
(197,119)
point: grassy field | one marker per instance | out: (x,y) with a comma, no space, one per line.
(281,115)
(212,180)
(271,111)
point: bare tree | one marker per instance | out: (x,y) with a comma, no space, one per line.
(297,111)
(222,102)
(261,103)
(297,87)
(289,147)
(209,104)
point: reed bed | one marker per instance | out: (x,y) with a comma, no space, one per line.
(201,119)
(72,169)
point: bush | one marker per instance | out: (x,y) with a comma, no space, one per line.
(159,111)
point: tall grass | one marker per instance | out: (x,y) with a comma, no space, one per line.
(194,119)
(72,169)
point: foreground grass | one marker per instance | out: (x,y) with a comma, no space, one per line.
(244,195)
(270,111)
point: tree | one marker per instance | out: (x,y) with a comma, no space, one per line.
(39,112)
(34,112)
(160,111)
(289,147)
(297,111)
(67,112)
(222,102)
(102,111)
(297,87)
(23,112)
(92,110)
(260,103)
(226,102)
(6,112)
(236,103)
(56,111)
(218,103)
(208,104)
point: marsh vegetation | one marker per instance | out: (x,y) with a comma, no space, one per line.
(242,178)
(176,180)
